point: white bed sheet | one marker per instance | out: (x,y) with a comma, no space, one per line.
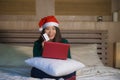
(98,73)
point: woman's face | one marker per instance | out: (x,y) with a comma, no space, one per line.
(51,31)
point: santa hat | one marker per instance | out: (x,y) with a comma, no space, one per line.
(48,21)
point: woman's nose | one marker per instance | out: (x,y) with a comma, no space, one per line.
(50,31)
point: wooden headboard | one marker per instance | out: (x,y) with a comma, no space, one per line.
(75,37)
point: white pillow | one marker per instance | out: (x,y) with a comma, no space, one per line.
(87,54)
(55,67)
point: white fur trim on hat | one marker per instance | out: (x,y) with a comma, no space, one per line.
(40,29)
(50,24)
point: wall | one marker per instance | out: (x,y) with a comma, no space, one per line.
(17,7)
(22,21)
(29,21)
(83,7)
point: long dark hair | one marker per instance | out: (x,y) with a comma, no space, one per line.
(57,37)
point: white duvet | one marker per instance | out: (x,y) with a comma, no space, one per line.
(87,73)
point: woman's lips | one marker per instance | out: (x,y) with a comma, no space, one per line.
(51,36)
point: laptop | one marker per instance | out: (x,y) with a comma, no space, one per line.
(55,50)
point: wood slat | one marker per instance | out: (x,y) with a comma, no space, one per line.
(20,44)
(6,35)
(92,41)
(97,36)
(18,40)
(101,51)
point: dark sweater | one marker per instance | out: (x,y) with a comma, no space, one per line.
(37,49)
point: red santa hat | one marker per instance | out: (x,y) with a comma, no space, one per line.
(48,21)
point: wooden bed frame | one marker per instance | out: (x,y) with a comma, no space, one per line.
(75,37)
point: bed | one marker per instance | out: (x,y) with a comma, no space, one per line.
(87,46)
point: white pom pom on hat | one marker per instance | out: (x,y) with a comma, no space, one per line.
(48,21)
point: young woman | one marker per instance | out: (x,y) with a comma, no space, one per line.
(48,25)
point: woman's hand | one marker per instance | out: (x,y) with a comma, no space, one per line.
(43,43)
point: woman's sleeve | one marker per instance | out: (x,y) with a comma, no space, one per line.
(37,49)
(69,53)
